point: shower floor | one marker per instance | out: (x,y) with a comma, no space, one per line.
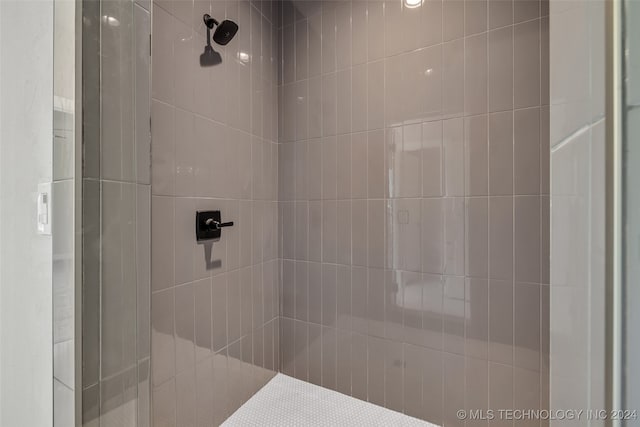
(286,401)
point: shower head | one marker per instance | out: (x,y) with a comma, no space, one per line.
(225,31)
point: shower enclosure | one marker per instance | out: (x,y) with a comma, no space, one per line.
(425,205)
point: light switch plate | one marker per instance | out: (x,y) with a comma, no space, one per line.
(43,209)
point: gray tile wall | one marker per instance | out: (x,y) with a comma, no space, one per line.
(116,212)
(414,194)
(214,316)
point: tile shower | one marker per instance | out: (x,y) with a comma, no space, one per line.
(387,172)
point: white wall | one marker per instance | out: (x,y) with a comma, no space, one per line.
(577,206)
(26,82)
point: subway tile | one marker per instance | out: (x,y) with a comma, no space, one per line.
(162,58)
(404,234)
(432,386)
(162,167)
(315,107)
(476,386)
(343,362)
(329,295)
(258,298)
(186,397)
(403,151)
(375,302)
(432,311)
(453,78)
(376,102)
(315,230)
(500,57)
(526,67)
(432,159)
(452,19)
(525,10)
(185,328)
(344,167)
(501,238)
(315,354)
(475,74)
(301,50)
(162,274)
(476,150)
(394,290)
(301,94)
(454,306)
(343,35)
(376,254)
(301,350)
(412,382)
(475,16)
(287,347)
(477,237)
(501,153)
(164,404)
(234,315)
(314,168)
(329,355)
(329,168)
(376,172)
(500,13)
(453,389)
(431,24)
(343,297)
(329,104)
(500,390)
(526,328)
(162,334)
(219,308)
(527,239)
(204,383)
(314,34)
(359,95)
(246,300)
(203,320)
(501,321)
(453,145)
(359,232)
(301,290)
(375,30)
(329,230)
(526,159)
(301,228)
(393,376)
(477,318)
(375,365)
(359,37)
(359,304)
(432,230)
(328,37)
(343,231)
(344,95)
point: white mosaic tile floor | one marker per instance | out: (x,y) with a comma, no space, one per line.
(286,401)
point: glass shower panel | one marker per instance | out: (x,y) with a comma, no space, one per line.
(116,212)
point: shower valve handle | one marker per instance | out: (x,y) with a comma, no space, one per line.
(216,225)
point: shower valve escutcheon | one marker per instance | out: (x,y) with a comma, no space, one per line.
(209,225)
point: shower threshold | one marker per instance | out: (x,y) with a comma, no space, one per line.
(286,401)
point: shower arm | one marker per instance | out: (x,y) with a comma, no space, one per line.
(209,21)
